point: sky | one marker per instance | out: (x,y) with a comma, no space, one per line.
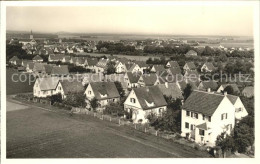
(174,20)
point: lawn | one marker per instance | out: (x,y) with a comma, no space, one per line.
(36,133)
(21,86)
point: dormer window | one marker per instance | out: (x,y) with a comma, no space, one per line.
(149,104)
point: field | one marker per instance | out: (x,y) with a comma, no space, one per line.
(21,86)
(37,133)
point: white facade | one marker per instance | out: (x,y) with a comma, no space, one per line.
(132,104)
(240,109)
(204,68)
(216,124)
(37,92)
(129,84)
(120,68)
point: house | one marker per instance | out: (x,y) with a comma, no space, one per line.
(60,70)
(101,65)
(174,71)
(158,69)
(39,69)
(103,92)
(66,59)
(171,90)
(143,66)
(92,77)
(48,68)
(233,86)
(207,67)
(29,67)
(205,85)
(14,60)
(37,58)
(91,63)
(172,64)
(143,101)
(189,66)
(118,78)
(70,86)
(205,115)
(132,79)
(47,86)
(192,76)
(191,53)
(239,106)
(120,67)
(148,80)
(55,57)
(248,92)
(134,68)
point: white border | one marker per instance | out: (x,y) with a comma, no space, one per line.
(125,3)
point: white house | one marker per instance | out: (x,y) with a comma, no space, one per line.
(104,92)
(239,106)
(148,80)
(143,101)
(120,67)
(205,115)
(101,65)
(207,67)
(134,68)
(189,66)
(132,79)
(48,86)
(172,64)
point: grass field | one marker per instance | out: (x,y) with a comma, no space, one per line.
(37,133)
(21,86)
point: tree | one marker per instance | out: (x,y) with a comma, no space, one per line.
(75,99)
(173,104)
(229,90)
(111,68)
(56,98)
(120,89)
(187,91)
(115,109)
(226,142)
(94,104)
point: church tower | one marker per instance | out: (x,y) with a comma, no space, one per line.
(31,35)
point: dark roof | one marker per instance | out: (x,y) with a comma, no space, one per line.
(37,57)
(210,66)
(133,77)
(14,58)
(174,71)
(104,88)
(71,86)
(209,84)
(141,64)
(203,126)
(191,52)
(149,79)
(182,84)
(48,68)
(39,67)
(128,65)
(56,57)
(159,68)
(150,95)
(92,61)
(234,87)
(48,83)
(192,73)
(232,98)
(60,70)
(102,63)
(191,65)
(203,102)
(170,89)
(174,64)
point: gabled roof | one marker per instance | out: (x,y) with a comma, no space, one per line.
(141,64)
(48,68)
(56,57)
(14,58)
(133,77)
(210,84)
(173,64)
(191,65)
(71,86)
(210,66)
(132,67)
(234,87)
(37,57)
(182,84)
(48,83)
(128,65)
(67,58)
(123,60)
(92,61)
(203,102)
(191,52)
(149,79)
(107,90)
(232,98)
(174,71)
(31,65)
(149,95)
(102,63)
(170,89)
(60,70)
(159,68)
(39,67)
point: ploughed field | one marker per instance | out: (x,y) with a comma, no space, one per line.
(36,133)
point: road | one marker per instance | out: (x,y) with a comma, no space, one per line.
(33,132)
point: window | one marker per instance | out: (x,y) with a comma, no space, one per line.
(196,115)
(187,125)
(223,116)
(113,100)
(132,100)
(203,117)
(209,118)
(201,132)
(89,92)
(191,113)
(192,127)
(160,110)
(187,113)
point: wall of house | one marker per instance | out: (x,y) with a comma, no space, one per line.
(240,109)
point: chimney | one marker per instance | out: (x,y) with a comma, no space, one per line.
(166,84)
(225,93)
(209,90)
